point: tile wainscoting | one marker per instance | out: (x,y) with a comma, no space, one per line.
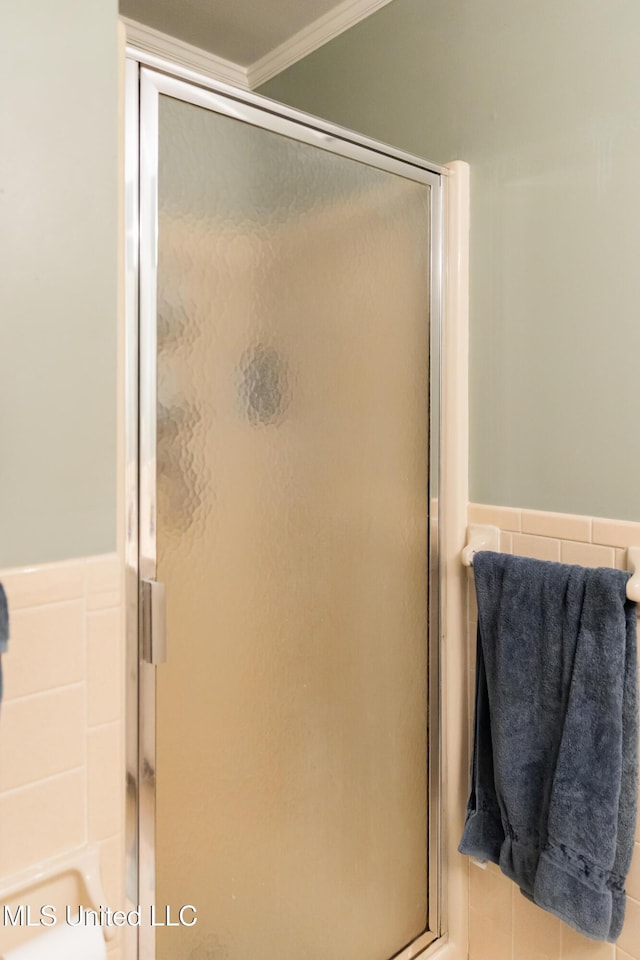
(61,726)
(503,925)
(61,730)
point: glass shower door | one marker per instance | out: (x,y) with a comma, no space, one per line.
(291,533)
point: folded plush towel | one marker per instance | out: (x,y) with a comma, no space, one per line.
(4,629)
(554,774)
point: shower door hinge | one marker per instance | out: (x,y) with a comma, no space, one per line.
(154,622)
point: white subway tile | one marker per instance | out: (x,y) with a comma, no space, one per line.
(539,548)
(507,518)
(490,916)
(41,820)
(46,649)
(577,947)
(506,542)
(629,939)
(104,666)
(41,736)
(587,554)
(536,933)
(105,781)
(633,878)
(616,533)
(104,582)
(563,526)
(621,558)
(623,955)
(52,583)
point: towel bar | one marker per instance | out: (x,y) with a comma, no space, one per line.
(83,860)
(485,537)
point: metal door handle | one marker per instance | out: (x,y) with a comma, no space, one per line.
(154,622)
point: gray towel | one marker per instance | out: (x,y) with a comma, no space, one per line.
(4,629)
(554,774)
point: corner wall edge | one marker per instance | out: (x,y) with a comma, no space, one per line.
(454,493)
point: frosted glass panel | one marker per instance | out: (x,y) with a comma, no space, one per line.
(292,538)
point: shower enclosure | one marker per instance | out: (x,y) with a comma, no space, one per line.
(283,377)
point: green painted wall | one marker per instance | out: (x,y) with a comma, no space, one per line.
(542,98)
(58,284)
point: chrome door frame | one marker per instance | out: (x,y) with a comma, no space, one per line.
(144,84)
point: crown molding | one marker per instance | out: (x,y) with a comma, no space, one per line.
(310,38)
(325,28)
(161,45)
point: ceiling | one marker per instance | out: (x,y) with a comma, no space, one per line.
(242,31)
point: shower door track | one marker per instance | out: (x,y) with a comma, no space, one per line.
(147,76)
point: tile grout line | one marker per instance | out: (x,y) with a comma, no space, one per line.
(93,728)
(37,694)
(92,611)
(34,783)
(61,566)
(43,604)
(37,783)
